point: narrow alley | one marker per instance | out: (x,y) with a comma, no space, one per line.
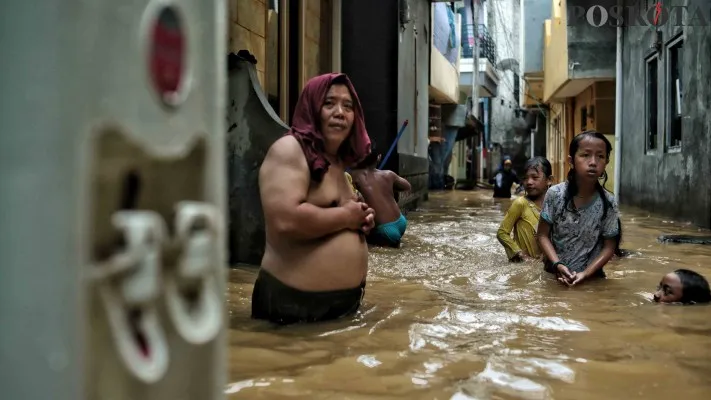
(447,317)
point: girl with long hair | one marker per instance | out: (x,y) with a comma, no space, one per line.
(578,228)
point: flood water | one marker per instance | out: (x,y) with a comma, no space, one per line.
(447,317)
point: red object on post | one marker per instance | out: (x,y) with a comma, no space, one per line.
(167,54)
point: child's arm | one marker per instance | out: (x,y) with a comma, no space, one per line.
(543,232)
(544,241)
(610,232)
(504,232)
(401,184)
(546,246)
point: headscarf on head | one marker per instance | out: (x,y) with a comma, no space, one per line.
(306,126)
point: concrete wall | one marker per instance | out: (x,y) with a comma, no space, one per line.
(252,127)
(535,13)
(555,54)
(414,50)
(444,65)
(247,30)
(591,49)
(673,183)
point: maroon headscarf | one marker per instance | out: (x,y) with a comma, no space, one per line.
(306,126)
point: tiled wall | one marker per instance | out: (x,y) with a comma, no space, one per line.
(247,30)
(253,27)
(316,44)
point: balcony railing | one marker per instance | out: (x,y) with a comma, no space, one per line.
(487,46)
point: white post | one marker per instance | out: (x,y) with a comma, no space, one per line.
(618,115)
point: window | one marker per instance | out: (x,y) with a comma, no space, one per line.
(651,112)
(675,93)
(516,88)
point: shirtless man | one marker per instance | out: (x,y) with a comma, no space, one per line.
(316,259)
(377,187)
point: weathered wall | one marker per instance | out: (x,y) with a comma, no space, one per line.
(591,49)
(555,51)
(412,80)
(252,128)
(247,30)
(444,55)
(673,183)
(535,14)
(317,55)
(413,71)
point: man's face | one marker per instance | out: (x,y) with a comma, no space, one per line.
(507,165)
(337,114)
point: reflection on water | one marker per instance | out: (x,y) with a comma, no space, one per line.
(447,317)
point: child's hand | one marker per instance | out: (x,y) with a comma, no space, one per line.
(564,275)
(579,278)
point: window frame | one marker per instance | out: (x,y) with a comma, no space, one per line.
(670,93)
(653,58)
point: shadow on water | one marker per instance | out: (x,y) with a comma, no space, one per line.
(447,317)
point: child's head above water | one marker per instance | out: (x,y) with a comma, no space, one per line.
(538,177)
(683,286)
(588,155)
(371,160)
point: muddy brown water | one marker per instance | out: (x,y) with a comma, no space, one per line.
(447,317)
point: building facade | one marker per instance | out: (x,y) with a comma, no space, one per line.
(666,128)
(578,82)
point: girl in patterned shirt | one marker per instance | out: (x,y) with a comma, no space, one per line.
(578,227)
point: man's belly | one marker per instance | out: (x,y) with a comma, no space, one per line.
(337,262)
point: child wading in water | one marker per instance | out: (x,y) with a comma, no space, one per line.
(522,216)
(683,286)
(377,188)
(579,222)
